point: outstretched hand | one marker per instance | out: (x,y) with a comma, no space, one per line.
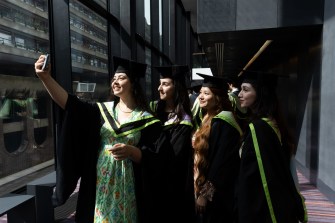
(42,74)
(57,92)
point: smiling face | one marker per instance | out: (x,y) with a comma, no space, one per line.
(166,89)
(121,85)
(207,99)
(247,95)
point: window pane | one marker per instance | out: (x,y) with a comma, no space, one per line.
(89,53)
(160,23)
(148,73)
(125,15)
(103,3)
(147,20)
(26,136)
(115,8)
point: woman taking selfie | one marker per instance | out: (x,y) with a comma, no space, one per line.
(110,147)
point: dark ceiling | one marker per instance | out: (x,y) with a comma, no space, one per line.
(240,46)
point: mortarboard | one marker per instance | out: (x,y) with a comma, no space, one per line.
(174,71)
(131,68)
(196,83)
(233,79)
(258,78)
(214,82)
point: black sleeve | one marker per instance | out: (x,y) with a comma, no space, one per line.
(180,165)
(149,139)
(181,140)
(77,149)
(252,204)
(148,173)
(223,154)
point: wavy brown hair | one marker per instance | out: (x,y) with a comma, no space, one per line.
(200,144)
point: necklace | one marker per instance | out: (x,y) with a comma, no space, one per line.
(131,110)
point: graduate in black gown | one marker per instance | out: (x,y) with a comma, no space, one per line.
(216,160)
(173,109)
(111,147)
(266,190)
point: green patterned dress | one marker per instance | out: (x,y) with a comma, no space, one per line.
(115,194)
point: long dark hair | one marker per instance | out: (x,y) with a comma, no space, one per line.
(137,94)
(267,106)
(181,101)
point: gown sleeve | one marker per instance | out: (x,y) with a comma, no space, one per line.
(148,177)
(181,163)
(76,156)
(265,180)
(223,154)
(180,180)
(222,173)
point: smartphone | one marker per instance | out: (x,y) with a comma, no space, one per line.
(46,62)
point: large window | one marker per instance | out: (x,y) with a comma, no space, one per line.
(89,53)
(84,36)
(26,136)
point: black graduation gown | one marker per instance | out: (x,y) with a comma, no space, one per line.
(223,159)
(76,158)
(179,178)
(176,156)
(252,203)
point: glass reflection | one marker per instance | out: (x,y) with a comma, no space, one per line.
(147,11)
(102,3)
(89,53)
(26,136)
(160,24)
(148,72)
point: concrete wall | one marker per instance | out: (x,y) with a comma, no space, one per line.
(326,174)
(229,15)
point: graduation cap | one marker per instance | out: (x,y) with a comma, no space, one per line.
(174,72)
(260,79)
(233,80)
(132,68)
(214,82)
(196,83)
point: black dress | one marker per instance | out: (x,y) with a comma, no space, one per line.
(223,160)
(177,165)
(76,158)
(266,190)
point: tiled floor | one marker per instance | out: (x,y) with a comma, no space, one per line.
(320,209)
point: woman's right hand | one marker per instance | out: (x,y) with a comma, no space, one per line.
(42,74)
(57,92)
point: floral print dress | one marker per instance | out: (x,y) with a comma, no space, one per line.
(115,193)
